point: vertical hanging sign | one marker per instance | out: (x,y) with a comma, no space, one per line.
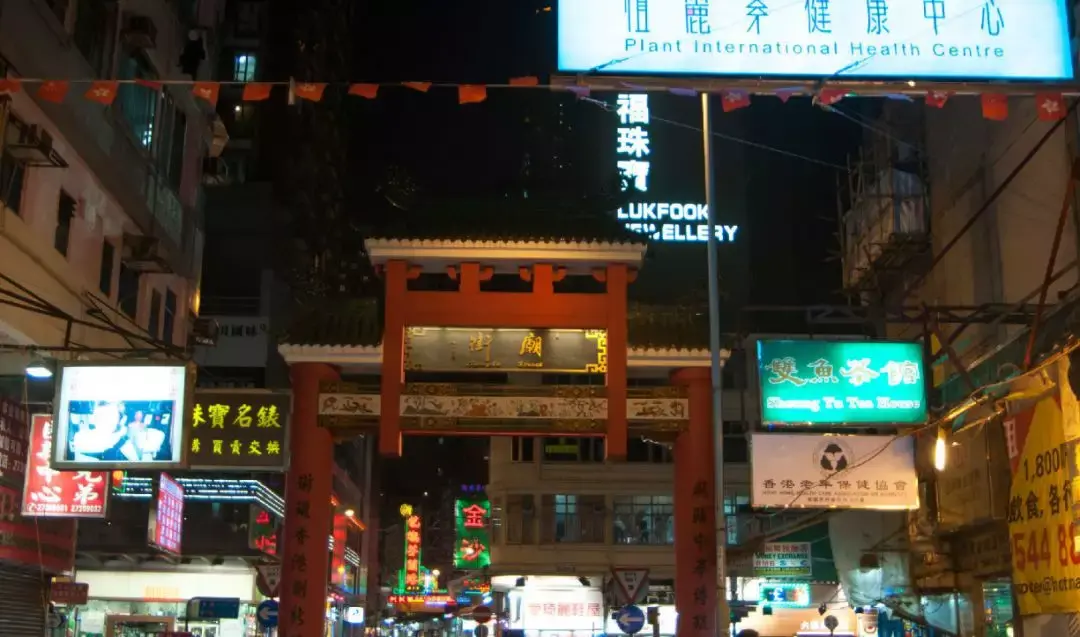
(472,547)
(410,574)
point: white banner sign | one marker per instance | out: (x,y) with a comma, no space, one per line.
(928,39)
(824,472)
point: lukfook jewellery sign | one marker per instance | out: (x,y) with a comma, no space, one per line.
(812,471)
(915,39)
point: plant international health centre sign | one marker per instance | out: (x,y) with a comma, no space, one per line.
(928,39)
(841,382)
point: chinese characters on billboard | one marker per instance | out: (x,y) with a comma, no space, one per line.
(932,39)
(841,382)
(472,534)
(411,572)
(669,222)
(48,544)
(238,430)
(167,516)
(451,349)
(63,494)
(120,416)
(264,530)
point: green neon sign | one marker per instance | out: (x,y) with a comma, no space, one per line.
(472,525)
(841,382)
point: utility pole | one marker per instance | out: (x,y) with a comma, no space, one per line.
(722,615)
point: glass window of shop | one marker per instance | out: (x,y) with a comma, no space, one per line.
(998,607)
(93,619)
(643,519)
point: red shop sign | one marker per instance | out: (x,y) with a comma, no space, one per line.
(59,494)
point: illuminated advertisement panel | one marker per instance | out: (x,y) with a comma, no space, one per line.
(121,416)
(928,39)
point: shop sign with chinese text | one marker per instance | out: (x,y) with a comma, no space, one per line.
(472,549)
(167,516)
(1042,445)
(958,40)
(243,430)
(47,544)
(783,559)
(841,382)
(264,530)
(411,573)
(59,494)
(451,349)
(811,471)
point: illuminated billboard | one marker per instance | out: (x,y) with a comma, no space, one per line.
(650,214)
(928,39)
(472,534)
(166,528)
(121,415)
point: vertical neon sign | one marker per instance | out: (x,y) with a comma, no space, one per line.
(411,573)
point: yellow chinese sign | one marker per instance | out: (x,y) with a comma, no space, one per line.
(1042,531)
(539,350)
(238,430)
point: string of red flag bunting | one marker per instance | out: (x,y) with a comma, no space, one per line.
(995,106)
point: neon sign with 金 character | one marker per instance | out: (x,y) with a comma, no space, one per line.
(472,549)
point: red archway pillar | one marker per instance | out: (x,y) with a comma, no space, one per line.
(617,277)
(304,561)
(695,511)
(395,280)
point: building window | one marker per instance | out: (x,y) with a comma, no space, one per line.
(573,519)
(12,180)
(735,505)
(573,449)
(641,450)
(522,448)
(643,519)
(138,104)
(168,322)
(520,519)
(154,327)
(108,255)
(736,446)
(244,67)
(93,32)
(129,291)
(65,212)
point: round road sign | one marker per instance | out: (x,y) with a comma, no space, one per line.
(481,614)
(480,631)
(631,619)
(267,613)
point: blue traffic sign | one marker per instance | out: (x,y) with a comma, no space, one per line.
(214,608)
(267,614)
(630,619)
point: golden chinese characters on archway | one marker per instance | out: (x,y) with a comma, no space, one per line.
(239,430)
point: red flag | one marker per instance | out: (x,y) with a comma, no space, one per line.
(310,92)
(256,92)
(423,87)
(528,80)
(150,84)
(937,99)
(364,90)
(995,106)
(471,93)
(830,96)
(10,86)
(53,91)
(207,91)
(1050,106)
(734,100)
(103,92)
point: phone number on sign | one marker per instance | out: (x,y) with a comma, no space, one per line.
(1034,550)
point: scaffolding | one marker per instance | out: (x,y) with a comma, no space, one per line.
(885,227)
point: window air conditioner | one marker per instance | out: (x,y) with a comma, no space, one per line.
(35,146)
(142,254)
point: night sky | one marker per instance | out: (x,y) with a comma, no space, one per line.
(785,202)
